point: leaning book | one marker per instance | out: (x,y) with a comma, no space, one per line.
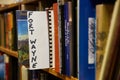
(33,42)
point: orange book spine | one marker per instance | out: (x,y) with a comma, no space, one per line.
(57,60)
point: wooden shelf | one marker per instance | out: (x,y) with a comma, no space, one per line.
(16,5)
(61,76)
(29,2)
(9,7)
(50,71)
(9,52)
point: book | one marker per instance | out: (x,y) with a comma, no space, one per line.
(33,49)
(23,49)
(111,45)
(38,45)
(2,30)
(103,17)
(86,40)
(74,41)
(61,37)
(68,27)
(56,38)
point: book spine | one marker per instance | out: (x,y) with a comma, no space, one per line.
(56,38)
(60,33)
(33,75)
(67,39)
(86,57)
(103,17)
(111,41)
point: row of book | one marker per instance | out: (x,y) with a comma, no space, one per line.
(8,40)
(52,39)
(39,43)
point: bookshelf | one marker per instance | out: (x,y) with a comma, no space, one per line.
(36,4)
(14,53)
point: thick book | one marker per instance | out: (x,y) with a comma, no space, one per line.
(112,45)
(86,40)
(103,18)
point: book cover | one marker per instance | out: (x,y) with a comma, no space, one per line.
(103,17)
(38,45)
(22,32)
(23,48)
(112,43)
(13,62)
(86,40)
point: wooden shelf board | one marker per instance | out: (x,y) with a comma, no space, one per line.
(28,2)
(15,5)
(50,71)
(9,52)
(61,76)
(9,7)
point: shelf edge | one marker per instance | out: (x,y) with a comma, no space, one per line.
(9,52)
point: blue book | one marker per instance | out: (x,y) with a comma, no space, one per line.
(86,40)
(68,33)
(22,32)
(2,67)
(23,44)
(67,40)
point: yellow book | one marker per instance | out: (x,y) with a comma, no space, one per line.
(103,17)
(110,49)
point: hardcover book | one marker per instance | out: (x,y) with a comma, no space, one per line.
(86,40)
(56,37)
(112,45)
(68,27)
(103,17)
(23,45)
